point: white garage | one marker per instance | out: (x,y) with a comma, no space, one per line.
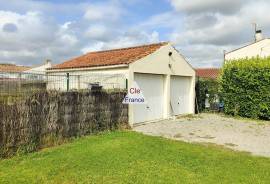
(180,95)
(152,87)
(165,78)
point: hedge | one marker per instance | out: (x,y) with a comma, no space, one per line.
(49,118)
(245,88)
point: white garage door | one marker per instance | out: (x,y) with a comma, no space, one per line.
(180,95)
(152,89)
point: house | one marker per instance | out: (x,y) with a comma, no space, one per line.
(40,69)
(10,77)
(208,73)
(24,72)
(11,71)
(165,78)
(12,68)
(15,79)
(38,72)
(259,48)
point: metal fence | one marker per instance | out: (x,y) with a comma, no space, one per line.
(21,83)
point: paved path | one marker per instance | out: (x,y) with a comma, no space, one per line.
(241,135)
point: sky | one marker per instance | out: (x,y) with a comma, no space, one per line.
(32,31)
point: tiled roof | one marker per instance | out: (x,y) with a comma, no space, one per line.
(12,68)
(211,73)
(110,57)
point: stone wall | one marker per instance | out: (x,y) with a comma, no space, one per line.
(45,118)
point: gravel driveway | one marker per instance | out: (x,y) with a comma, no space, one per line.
(241,135)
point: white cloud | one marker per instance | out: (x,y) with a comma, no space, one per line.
(126,39)
(31,32)
(197,6)
(32,36)
(167,19)
(98,32)
(103,12)
(211,26)
(35,38)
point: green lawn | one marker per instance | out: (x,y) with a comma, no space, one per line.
(128,157)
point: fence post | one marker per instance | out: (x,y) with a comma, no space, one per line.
(47,80)
(67,81)
(20,82)
(79,81)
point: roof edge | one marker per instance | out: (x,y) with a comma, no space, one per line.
(104,51)
(186,60)
(127,48)
(246,45)
(87,68)
(208,68)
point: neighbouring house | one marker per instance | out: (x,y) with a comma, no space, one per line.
(37,73)
(10,77)
(11,71)
(166,79)
(14,79)
(24,72)
(40,69)
(259,48)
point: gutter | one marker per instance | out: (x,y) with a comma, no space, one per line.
(86,68)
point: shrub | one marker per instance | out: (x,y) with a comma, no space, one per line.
(206,86)
(245,88)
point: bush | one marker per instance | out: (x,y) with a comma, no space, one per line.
(206,86)
(245,88)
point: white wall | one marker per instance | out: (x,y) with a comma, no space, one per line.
(40,69)
(160,63)
(261,49)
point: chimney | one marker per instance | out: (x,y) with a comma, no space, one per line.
(48,61)
(258,36)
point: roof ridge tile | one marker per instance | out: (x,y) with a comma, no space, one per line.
(111,57)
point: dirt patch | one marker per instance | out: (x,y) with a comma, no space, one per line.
(206,137)
(230,144)
(237,134)
(177,136)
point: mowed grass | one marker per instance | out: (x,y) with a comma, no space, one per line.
(129,157)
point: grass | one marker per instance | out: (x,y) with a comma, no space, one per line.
(129,157)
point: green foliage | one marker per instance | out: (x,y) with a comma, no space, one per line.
(245,88)
(129,157)
(203,86)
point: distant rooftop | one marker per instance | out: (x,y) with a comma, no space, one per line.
(13,68)
(210,73)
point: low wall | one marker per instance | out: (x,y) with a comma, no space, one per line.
(45,118)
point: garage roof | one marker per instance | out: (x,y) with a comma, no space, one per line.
(110,57)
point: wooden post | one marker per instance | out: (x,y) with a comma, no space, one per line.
(20,82)
(67,81)
(79,82)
